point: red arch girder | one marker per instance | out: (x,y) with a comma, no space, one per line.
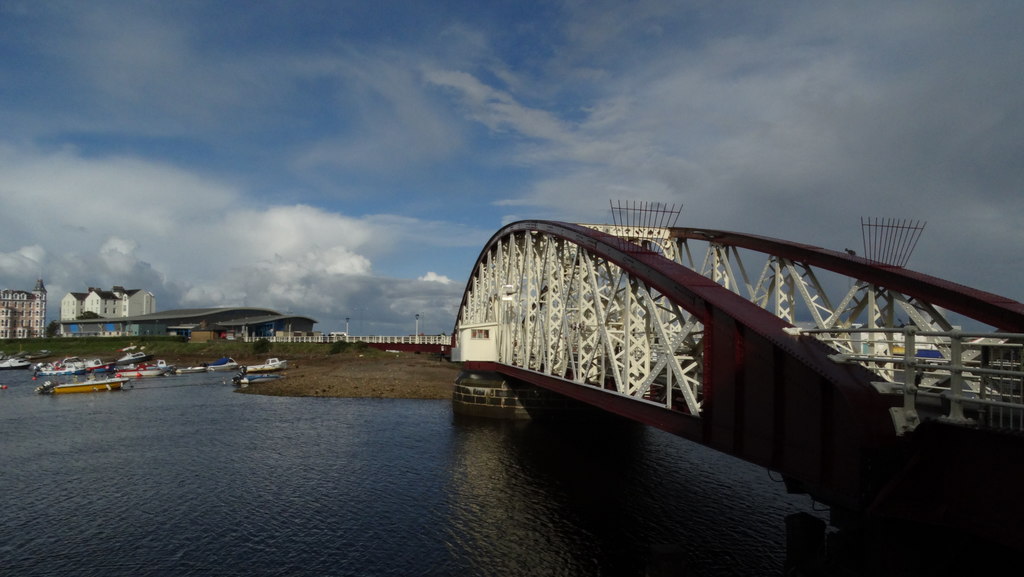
(1005,314)
(769,398)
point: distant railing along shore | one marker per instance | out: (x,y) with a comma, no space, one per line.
(372,339)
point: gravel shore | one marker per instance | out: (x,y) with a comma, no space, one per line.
(368,374)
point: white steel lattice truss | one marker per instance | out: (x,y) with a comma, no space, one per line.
(566,312)
(792,291)
(563,311)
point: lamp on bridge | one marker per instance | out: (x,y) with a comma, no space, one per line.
(346,325)
(417,341)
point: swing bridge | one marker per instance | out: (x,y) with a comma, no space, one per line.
(850,377)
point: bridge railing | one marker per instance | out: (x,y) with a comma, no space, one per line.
(974,379)
(372,339)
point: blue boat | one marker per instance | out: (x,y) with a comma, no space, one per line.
(68,366)
(222,364)
(248,379)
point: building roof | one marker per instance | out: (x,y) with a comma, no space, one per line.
(198,314)
(261,319)
(224,316)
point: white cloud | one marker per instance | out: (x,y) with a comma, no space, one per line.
(276,165)
(118,255)
(434,277)
(23,262)
(392,120)
(496,109)
(794,127)
(187,238)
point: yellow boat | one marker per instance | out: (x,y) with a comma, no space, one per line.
(87,386)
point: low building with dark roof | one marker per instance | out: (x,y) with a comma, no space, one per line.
(209,323)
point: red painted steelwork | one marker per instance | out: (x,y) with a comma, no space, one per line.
(673,422)
(769,398)
(1006,315)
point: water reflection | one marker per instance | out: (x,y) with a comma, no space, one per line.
(182,476)
(598,498)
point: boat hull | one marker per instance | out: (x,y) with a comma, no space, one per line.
(258,378)
(60,372)
(158,369)
(263,370)
(83,387)
(226,367)
(142,373)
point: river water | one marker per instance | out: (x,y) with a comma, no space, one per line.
(182,475)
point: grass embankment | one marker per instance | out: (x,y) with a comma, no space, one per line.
(173,349)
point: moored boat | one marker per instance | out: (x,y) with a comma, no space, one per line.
(157,369)
(188,370)
(66,367)
(134,357)
(99,366)
(272,365)
(14,363)
(247,379)
(86,386)
(223,364)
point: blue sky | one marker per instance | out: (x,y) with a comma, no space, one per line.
(350,159)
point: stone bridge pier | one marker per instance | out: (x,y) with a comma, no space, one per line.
(493,395)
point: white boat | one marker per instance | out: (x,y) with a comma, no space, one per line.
(65,367)
(15,363)
(158,369)
(188,370)
(272,365)
(134,357)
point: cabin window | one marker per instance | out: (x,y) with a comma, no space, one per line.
(481,334)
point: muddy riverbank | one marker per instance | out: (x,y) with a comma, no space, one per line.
(370,374)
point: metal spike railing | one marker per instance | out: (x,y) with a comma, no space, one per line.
(890,241)
(644,215)
(645,224)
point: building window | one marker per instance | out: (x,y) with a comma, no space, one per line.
(480,334)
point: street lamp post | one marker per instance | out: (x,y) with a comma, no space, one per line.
(417,341)
(346,326)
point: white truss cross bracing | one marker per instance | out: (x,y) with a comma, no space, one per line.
(566,312)
(792,291)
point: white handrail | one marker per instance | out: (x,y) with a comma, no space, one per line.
(980,375)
